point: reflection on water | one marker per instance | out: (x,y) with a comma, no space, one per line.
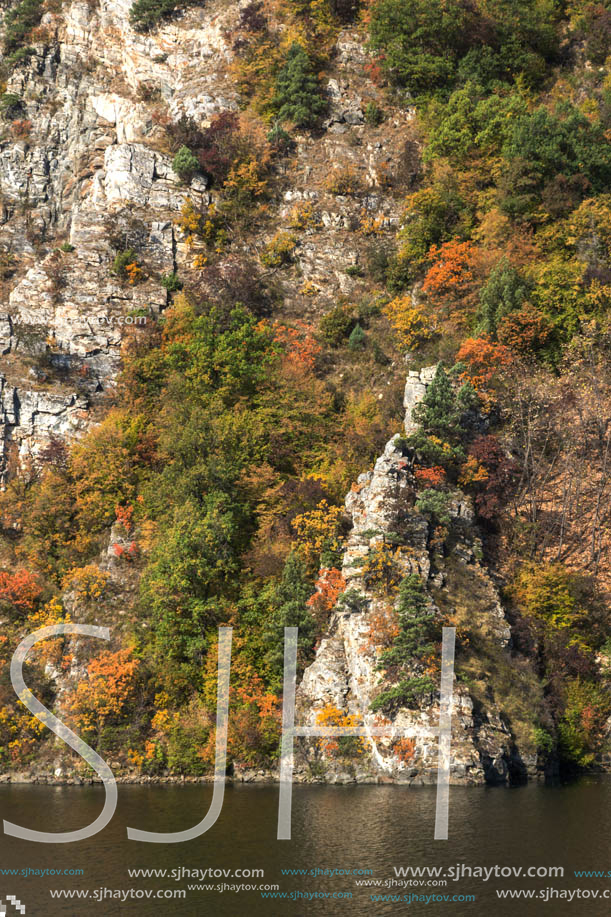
(333,827)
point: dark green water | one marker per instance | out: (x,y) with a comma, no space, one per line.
(333,827)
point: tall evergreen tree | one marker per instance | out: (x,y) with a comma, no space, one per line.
(440,415)
(417,631)
(290,610)
(298,95)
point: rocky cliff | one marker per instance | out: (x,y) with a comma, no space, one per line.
(85,173)
(345,674)
(349,241)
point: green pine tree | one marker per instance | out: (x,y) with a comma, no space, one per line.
(185,164)
(440,415)
(415,640)
(505,291)
(437,413)
(298,97)
(356,341)
(290,610)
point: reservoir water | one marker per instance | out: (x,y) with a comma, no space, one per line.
(353,829)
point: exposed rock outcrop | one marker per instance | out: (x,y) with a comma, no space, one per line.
(382,506)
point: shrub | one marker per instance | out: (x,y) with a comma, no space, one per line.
(144,15)
(126,266)
(337,324)
(185,164)
(427,44)
(342,746)
(344,180)
(381,571)
(408,322)
(11,106)
(19,22)
(279,139)
(441,415)
(434,503)
(19,592)
(298,96)
(357,338)
(553,158)
(171,282)
(421,40)
(581,731)
(405,660)
(373,114)
(279,250)
(290,609)
(505,291)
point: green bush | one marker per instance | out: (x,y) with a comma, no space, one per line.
(11,106)
(440,414)
(504,292)
(290,609)
(429,44)
(356,341)
(421,40)
(144,15)
(185,164)
(171,282)
(337,324)
(122,260)
(298,96)
(418,629)
(279,139)
(434,503)
(555,159)
(19,22)
(373,114)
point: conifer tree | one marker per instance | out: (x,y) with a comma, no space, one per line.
(290,610)
(298,96)
(417,631)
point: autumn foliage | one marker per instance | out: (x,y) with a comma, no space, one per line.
(485,360)
(19,591)
(329,586)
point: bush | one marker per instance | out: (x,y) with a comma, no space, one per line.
(11,106)
(145,14)
(171,282)
(298,96)
(429,44)
(555,159)
(434,503)
(581,731)
(337,324)
(345,180)
(279,139)
(126,266)
(403,661)
(357,338)
(19,22)
(409,323)
(505,291)
(373,114)
(279,250)
(185,164)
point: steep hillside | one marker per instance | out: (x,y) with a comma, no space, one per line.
(229,233)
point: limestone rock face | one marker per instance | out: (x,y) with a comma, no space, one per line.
(345,674)
(415,389)
(89,170)
(86,172)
